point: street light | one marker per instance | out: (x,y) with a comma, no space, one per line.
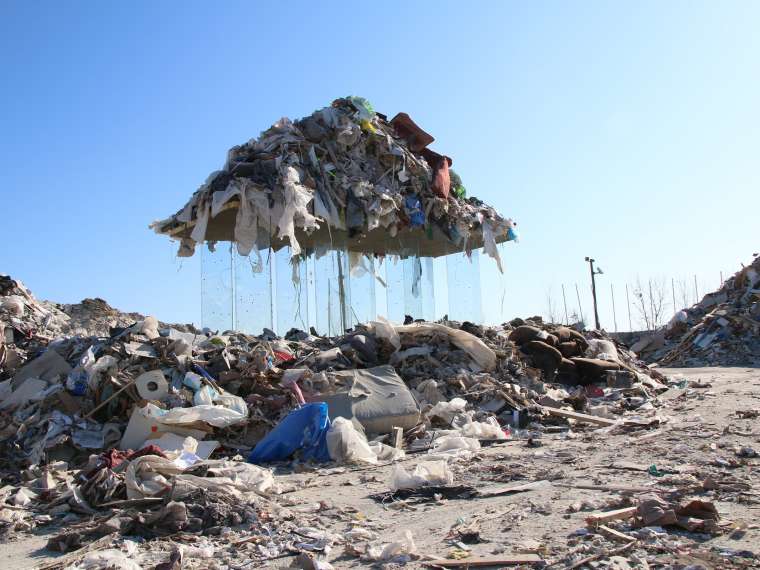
(593,288)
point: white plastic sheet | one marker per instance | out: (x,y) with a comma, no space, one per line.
(404,547)
(447,411)
(382,328)
(424,474)
(483,430)
(347,445)
(472,345)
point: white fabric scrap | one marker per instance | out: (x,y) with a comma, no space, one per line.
(489,241)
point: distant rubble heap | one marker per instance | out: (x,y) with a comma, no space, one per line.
(149,416)
(723,329)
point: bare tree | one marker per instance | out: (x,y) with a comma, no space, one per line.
(575,318)
(684,294)
(552,314)
(650,302)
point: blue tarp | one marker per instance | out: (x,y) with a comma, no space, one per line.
(304,430)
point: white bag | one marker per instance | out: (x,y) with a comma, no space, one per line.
(425,474)
(346,445)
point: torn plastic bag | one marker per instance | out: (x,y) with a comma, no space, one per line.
(454,446)
(393,550)
(489,241)
(382,328)
(110,559)
(245,477)
(347,445)
(303,430)
(150,476)
(447,411)
(602,349)
(489,429)
(424,474)
(217,416)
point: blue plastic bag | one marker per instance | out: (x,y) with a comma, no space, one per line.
(304,430)
(414,209)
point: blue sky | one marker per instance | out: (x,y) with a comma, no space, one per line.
(629,132)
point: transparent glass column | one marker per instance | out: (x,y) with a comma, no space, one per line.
(362,283)
(494,288)
(332,293)
(394,290)
(413,287)
(254,278)
(217,287)
(428,289)
(291,292)
(463,274)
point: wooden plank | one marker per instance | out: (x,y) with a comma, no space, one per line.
(614,534)
(398,437)
(616,515)
(476,562)
(510,489)
(611,488)
(578,416)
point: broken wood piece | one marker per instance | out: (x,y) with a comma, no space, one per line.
(616,515)
(628,466)
(611,488)
(614,534)
(605,554)
(144,501)
(510,489)
(398,437)
(578,416)
(111,397)
(476,562)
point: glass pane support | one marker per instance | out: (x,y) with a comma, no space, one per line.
(427,289)
(291,292)
(362,306)
(494,288)
(394,290)
(338,290)
(412,266)
(254,285)
(332,293)
(463,276)
(217,288)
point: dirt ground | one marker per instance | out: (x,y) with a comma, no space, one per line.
(697,440)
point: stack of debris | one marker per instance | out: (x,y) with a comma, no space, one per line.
(143,429)
(723,329)
(337,178)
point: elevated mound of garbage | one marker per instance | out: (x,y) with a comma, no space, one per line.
(343,177)
(723,329)
(159,418)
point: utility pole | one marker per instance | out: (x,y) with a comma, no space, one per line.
(696,292)
(593,289)
(673,288)
(614,315)
(580,309)
(564,302)
(628,302)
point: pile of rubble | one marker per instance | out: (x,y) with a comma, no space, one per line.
(153,429)
(723,329)
(345,167)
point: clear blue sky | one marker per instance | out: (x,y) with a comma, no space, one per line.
(625,131)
